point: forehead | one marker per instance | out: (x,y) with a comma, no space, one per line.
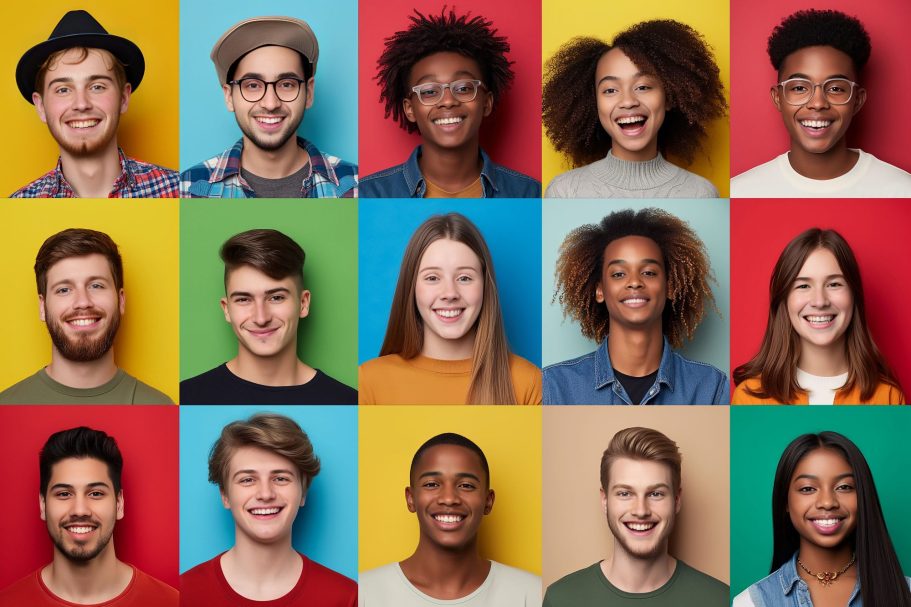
(258,459)
(449,253)
(822,462)
(615,63)
(818,63)
(632,249)
(97,62)
(639,473)
(270,61)
(450,459)
(79,472)
(820,262)
(250,280)
(444,67)
(94,265)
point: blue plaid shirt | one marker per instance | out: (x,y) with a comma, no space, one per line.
(219,177)
(137,180)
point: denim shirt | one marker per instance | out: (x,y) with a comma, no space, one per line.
(406,181)
(590,380)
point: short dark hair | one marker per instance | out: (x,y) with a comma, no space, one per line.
(80,443)
(307,66)
(450,438)
(76,242)
(815,27)
(269,251)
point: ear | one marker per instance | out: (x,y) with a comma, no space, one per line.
(42,313)
(409,109)
(303,496)
(229,99)
(125,97)
(309,93)
(39,107)
(41,507)
(224,500)
(678,500)
(121,296)
(488,104)
(305,303)
(861,99)
(224,309)
(409,499)
(603,502)
(776,97)
(599,293)
(120,505)
(488,506)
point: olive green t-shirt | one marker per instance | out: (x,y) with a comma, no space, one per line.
(123,389)
(589,588)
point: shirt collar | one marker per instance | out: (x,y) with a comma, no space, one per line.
(126,179)
(229,163)
(604,370)
(414,179)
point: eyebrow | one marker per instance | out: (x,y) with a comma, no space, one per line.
(634,76)
(281,76)
(648,488)
(623,261)
(67,486)
(461,74)
(72,281)
(268,292)
(67,80)
(813,477)
(458,475)
(829,277)
(801,75)
(255,472)
(439,269)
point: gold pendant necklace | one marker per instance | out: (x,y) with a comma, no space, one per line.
(827,577)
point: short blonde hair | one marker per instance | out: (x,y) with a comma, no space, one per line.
(642,444)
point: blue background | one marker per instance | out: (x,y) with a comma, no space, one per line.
(326,527)
(207,128)
(512,229)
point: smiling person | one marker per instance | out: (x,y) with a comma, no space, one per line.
(449,492)
(641,498)
(445,341)
(820,56)
(615,109)
(266,68)
(638,284)
(81,501)
(264,467)
(817,348)
(442,77)
(264,301)
(81,299)
(831,545)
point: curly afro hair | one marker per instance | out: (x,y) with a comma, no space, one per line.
(672,51)
(581,261)
(472,37)
(820,28)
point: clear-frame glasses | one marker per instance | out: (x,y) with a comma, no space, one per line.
(254,89)
(798,91)
(463,91)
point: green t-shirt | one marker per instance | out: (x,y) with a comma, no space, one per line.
(589,588)
(123,389)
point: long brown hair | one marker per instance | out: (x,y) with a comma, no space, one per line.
(491,382)
(776,362)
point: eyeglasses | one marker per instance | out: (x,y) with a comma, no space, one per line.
(799,91)
(254,89)
(431,93)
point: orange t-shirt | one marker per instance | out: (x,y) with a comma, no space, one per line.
(886,394)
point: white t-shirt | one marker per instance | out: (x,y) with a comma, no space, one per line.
(821,389)
(869,178)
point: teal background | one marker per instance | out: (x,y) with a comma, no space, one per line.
(325,528)
(563,339)
(758,437)
(207,127)
(327,231)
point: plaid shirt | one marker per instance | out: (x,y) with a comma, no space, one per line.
(220,177)
(137,180)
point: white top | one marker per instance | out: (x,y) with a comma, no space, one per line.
(505,586)
(743,600)
(821,389)
(869,178)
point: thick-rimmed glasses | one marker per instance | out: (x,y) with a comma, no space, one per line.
(254,89)
(799,91)
(463,91)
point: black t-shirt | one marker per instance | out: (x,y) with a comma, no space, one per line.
(221,387)
(636,387)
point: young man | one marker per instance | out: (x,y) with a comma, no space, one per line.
(442,77)
(264,302)
(640,496)
(450,494)
(819,56)
(80,299)
(263,467)
(638,284)
(81,500)
(265,67)
(80,81)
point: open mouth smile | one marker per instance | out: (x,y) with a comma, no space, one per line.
(80,531)
(632,125)
(83,322)
(634,302)
(449,314)
(83,124)
(266,513)
(827,526)
(269,123)
(640,528)
(449,521)
(820,321)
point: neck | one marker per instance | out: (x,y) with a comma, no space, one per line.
(647,153)
(638,575)
(282,369)
(82,375)
(93,175)
(830,164)
(273,164)
(87,582)
(825,361)
(818,559)
(259,571)
(448,349)
(635,351)
(443,573)
(451,169)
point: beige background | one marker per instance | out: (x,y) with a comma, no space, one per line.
(575,532)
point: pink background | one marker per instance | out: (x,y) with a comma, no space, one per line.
(757,133)
(511,135)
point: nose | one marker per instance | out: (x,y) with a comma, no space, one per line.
(80,506)
(640,507)
(826,499)
(818,98)
(448,99)
(449,494)
(820,298)
(270,100)
(261,313)
(82,299)
(450,290)
(628,99)
(265,492)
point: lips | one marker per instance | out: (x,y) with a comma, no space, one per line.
(636,301)
(448,521)
(449,314)
(828,525)
(80,530)
(262,333)
(86,123)
(632,124)
(265,512)
(83,322)
(820,321)
(269,122)
(448,123)
(640,527)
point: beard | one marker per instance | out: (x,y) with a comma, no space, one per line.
(79,553)
(83,348)
(637,550)
(266,144)
(85,147)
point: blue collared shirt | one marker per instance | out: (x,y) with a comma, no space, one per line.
(406,181)
(590,380)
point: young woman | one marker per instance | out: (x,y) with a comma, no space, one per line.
(830,538)
(445,342)
(615,109)
(817,348)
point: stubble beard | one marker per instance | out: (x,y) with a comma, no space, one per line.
(269,145)
(652,552)
(82,348)
(80,554)
(83,148)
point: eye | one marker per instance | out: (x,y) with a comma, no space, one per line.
(845,488)
(656,494)
(252,85)
(618,274)
(283,480)
(644,88)
(649,273)
(467,486)
(288,84)
(836,283)
(247,480)
(609,90)
(277,298)
(241,299)
(430,485)
(801,286)
(62,290)
(96,285)
(63,495)
(98,87)
(806,490)
(62,90)
(428,92)
(623,494)
(465,278)
(431,278)
(96,494)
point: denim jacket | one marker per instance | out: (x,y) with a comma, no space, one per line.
(406,181)
(590,380)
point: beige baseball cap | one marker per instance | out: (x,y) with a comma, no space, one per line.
(250,34)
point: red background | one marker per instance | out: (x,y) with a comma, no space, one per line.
(877,231)
(511,135)
(757,133)
(148,534)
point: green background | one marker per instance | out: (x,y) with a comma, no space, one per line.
(758,437)
(327,231)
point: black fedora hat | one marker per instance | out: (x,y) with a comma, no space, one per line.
(78,28)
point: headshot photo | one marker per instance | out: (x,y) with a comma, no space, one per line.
(77,73)
(258,119)
(471,497)
(97,329)
(635,100)
(459,90)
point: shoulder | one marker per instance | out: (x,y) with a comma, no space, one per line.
(695,186)
(382,183)
(139,167)
(198,389)
(328,580)
(331,390)
(513,184)
(23,591)
(144,394)
(703,371)
(374,580)
(702,583)
(755,180)
(743,397)
(200,571)
(566,185)
(39,188)
(880,168)
(18,392)
(154,591)
(526,380)
(887,394)
(516,580)
(743,599)
(560,593)
(572,369)
(383,364)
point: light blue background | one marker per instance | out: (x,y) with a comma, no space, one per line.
(207,128)
(512,229)
(710,219)
(326,527)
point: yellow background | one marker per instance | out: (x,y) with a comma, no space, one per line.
(510,438)
(563,21)
(149,129)
(146,232)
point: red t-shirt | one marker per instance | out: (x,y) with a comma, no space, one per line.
(205,586)
(142,591)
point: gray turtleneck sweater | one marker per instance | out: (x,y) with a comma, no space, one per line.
(611,177)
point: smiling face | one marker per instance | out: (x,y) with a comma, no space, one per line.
(820,303)
(633,282)
(631,106)
(822,498)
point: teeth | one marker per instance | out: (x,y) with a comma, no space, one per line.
(640,526)
(630,119)
(449,518)
(816,124)
(820,319)
(634,300)
(453,120)
(83,322)
(449,313)
(826,522)
(82,124)
(265,120)
(79,529)
(264,511)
